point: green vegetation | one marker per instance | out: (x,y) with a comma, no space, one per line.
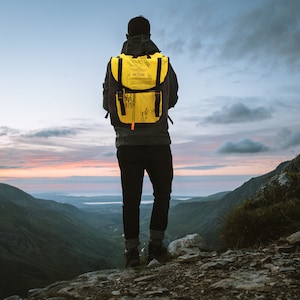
(274,212)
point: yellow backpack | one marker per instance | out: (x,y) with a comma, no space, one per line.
(139,90)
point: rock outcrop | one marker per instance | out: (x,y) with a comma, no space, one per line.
(272,272)
(286,182)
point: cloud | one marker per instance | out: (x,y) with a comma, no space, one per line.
(242,146)
(212,167)
(264,32)
(287,138)
(109,154)
(268,32)
(16,167)
(54,132)
(5,131)
(78,145)
(238,113)
(10,167)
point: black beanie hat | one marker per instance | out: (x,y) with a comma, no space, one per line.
(138,25)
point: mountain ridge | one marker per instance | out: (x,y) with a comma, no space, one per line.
(45,230)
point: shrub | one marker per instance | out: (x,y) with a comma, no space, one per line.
(266,217)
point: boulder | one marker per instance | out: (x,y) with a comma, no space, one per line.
(190,244)
(294,238)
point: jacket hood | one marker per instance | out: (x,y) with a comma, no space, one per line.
(139,45)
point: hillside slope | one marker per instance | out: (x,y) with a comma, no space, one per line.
(207,218)
(43,241)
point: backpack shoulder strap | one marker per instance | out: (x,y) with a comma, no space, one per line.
(157,91)
(120,88)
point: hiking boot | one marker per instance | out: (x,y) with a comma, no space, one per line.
(132,258)
(158,252)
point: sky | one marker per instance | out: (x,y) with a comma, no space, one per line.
(237,115)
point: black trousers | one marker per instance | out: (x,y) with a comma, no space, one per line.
(156,160)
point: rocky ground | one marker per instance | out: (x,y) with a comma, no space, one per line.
(265,273)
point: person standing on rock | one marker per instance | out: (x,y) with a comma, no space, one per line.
(141,147)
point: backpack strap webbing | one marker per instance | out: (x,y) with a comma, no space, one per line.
(120,90)
(157,92)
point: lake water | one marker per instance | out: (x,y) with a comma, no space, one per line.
(120,202)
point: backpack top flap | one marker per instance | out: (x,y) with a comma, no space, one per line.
(140,73)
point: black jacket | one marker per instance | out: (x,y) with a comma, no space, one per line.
(152,135)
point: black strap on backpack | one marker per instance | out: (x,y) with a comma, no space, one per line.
(120,90)
(157,92)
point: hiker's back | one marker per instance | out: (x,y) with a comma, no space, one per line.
(137,50)
(139,90)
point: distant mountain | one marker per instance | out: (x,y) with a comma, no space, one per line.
(213,197)
(207,217)
(42,241)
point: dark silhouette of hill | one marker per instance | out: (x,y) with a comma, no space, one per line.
(42,241)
